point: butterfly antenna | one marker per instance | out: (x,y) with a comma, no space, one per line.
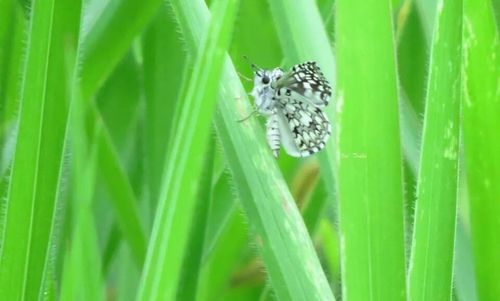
(250,115)
(245,77)
(255,68)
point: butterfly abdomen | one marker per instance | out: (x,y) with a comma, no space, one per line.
(273,134)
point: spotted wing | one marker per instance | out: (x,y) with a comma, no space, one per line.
(306,82)
(304,127)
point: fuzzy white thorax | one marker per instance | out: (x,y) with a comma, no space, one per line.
(264,89)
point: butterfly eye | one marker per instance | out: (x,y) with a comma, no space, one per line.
(265,80)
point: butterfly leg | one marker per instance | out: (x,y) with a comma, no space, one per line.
(273,134)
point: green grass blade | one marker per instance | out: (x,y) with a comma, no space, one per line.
(81,277)
(430,276)
(118,127)
(223,207)
(331,249)
(215,276)
(192,261)
(105,43)
(175,210)
(255,16)
(369,157)
(412,54)
(288,254)
(12,32)
(7,21)
(225,238)
(119,104)
(107,40)
(464,277)
(34,183)
(164,60)
(122,195)
(427,9)
(481,125)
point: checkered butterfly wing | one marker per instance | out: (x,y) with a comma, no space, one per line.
(300,96)
(306,82)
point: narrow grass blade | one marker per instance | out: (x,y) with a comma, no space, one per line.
(370,188)
(96,66)
(427,9)
(7,20)
(465,286)
(175,210)
(218,267)
(412,54)
(223,207)
(430,276)
(481,125)
(255,16)
(127,274)
(122,195)
(81,278)
(226,238)
(119,128)
(12,32)
(107,40)
(288,253)
(119,104)
(327,11)
(35,177)
(192,262)
(331,249)
(164,60)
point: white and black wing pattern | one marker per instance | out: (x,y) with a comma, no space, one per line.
(304,128)
(305,82)
(292,103)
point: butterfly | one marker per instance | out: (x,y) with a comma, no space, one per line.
(293,103)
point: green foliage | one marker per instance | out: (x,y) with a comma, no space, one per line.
(369,154)
(431,276)
(481,108)
(124,174)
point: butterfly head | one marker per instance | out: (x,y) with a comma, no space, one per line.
(263,89)
(264,78)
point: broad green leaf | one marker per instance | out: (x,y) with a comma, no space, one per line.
(481,125)
(370,190)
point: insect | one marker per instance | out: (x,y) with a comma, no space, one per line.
(292,102)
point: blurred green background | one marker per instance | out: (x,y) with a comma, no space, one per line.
(126,176)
